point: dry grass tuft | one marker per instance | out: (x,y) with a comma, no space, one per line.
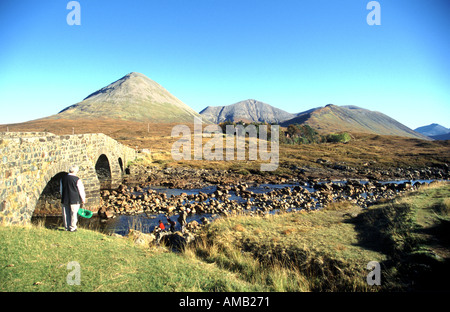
(339,206)
(288,231)
(239,228)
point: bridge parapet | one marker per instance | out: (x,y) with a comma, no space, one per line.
(29,161)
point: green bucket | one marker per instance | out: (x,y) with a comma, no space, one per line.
(85,213)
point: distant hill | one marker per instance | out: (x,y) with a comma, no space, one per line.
(247,111)
(333,118)
(133,97)
(433,130)
(441,137)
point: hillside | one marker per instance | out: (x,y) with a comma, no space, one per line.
(248,111)
(441,137)
(377,150)
(432,130)
(133,97)
(333,118)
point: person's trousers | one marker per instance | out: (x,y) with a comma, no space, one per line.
(70,216)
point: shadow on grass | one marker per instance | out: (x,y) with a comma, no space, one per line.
(412,261)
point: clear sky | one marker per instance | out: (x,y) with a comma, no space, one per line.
(291,54)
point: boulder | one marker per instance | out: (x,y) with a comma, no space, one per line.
(170,209)
(102,212)
(193,225)
(141,238)
(106,212)
(176,241)
(109,213)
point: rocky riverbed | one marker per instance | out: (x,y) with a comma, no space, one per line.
(191,178)
(215,193)
(240,198)
(152,192)
(231,193)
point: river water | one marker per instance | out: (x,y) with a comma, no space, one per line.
(146,223)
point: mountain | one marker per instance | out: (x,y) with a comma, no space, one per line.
(333,118)
(133,97)
(432,130)
(248,111)
(441,137)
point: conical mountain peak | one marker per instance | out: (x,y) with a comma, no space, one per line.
(132,97)
(134,74)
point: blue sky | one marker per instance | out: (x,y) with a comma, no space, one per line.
(292,54)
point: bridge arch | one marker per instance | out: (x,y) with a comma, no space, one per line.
(107,168)
(103,170)
(49,202)
(120,164)
(46,186)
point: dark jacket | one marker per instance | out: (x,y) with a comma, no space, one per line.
(70,194)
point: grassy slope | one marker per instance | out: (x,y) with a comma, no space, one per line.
(35,259)
(329,250)
(332,118)
(413,232)
(306,251)
(318,251)
(132,111)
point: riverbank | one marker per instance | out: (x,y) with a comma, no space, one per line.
(249,195)
(141,189)
(150,193)
(326,250)
(331,248)
(186,177)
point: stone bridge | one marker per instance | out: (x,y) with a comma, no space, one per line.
(32,163)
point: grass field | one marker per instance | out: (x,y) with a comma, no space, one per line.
(36,259)
(326,250)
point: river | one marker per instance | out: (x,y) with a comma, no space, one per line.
(146,222)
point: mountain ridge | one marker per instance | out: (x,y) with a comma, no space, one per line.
(333,118)
(330,118)
(133,97)
(248,110)
(432,130)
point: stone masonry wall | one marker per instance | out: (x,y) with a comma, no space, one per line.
(28,161)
